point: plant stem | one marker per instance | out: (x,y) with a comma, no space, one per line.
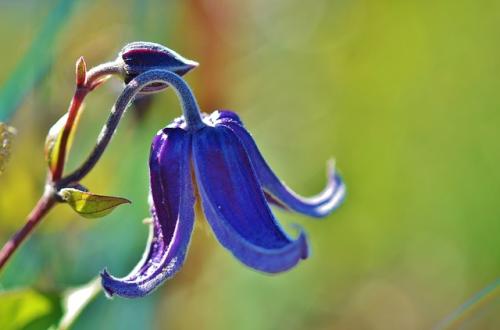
(95,77)
(45,203)
(74,108)
(190,109)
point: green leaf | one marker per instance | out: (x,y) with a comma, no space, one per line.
(90,205)
(28,309)
(53,140)
(6,136)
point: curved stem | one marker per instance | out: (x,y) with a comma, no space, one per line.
(189,106)
(45,203)
(74,108)
(94,77)
(100,73)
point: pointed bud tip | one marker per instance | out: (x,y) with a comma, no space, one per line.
(81,71)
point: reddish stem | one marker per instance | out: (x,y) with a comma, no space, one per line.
(86,81)
(93,78)
(45,203)
(74,107)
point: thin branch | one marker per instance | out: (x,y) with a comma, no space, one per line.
(188,101)
(94,77)
(43,206)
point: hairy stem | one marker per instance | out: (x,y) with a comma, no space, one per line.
(73,110)
(43,206)
(189,105)
(95,77)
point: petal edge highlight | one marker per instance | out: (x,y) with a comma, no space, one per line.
(173,217)
(317,206)
(235,206)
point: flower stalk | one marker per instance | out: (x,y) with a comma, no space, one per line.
(189,107)
(85,82)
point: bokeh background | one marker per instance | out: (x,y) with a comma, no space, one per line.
(404,94)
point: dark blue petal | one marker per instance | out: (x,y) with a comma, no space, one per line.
(142,56)
(173,217)
(235,206)
(317,206)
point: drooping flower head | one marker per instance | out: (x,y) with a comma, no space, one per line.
(236,187)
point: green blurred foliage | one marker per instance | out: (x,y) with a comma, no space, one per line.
(403,94)
(29,310)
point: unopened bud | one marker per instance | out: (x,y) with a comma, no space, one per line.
(81,72)
(139,57)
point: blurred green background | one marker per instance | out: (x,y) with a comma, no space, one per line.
(404,94)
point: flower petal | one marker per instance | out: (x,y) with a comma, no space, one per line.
(235,206)
(173,217)
(317,206)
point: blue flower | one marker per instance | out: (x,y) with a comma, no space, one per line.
(235,185)
(213,157)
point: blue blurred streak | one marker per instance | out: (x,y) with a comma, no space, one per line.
(36,62)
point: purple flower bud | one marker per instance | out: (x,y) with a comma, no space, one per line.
(141,56)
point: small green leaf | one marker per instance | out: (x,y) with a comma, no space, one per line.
(6,136)
(89,205)
(53,140)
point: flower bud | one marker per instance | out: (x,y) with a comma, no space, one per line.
(140,56)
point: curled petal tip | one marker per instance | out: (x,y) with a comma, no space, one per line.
(284,259)
(105,277)
(338,189)
(317,206)
(302,238)
(305,245)
(191,64)
(173,215)
(129,289)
